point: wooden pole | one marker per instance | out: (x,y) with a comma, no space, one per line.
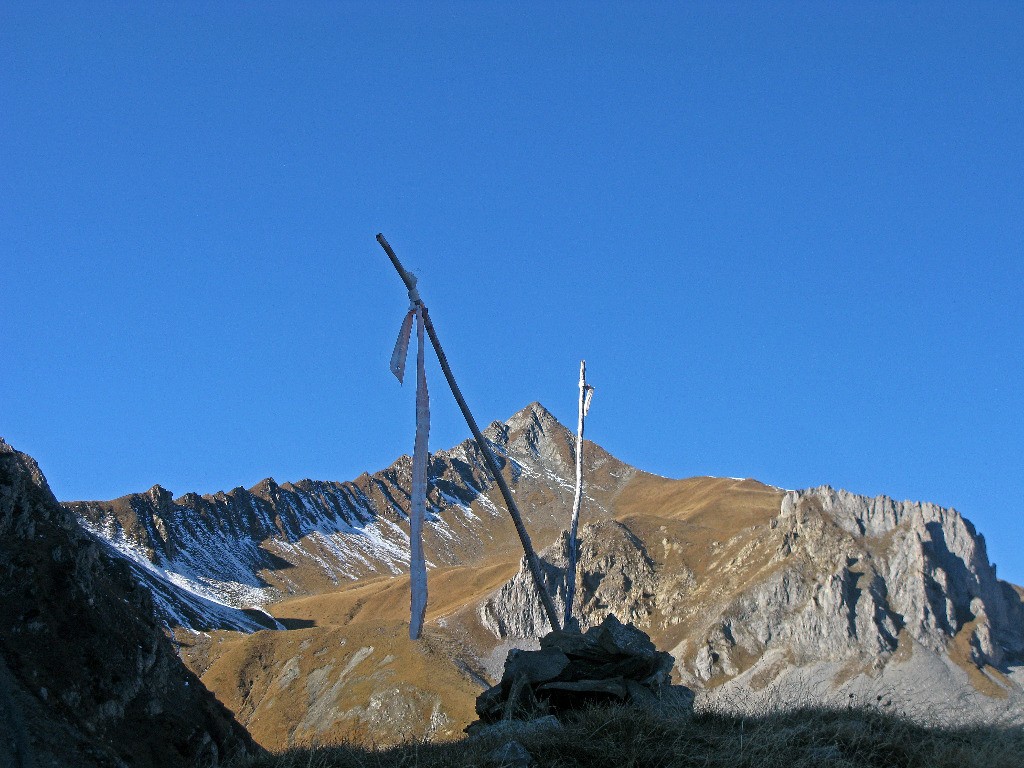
(570,571)
(531,557)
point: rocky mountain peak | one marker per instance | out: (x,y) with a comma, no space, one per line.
(747,585)
(751,588)
(266,489)
(160,496)
(534,435)
(188,498)
(232,548)
(26,466)
(533,414)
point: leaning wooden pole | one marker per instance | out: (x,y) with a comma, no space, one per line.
(531,557)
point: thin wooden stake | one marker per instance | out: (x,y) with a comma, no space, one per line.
(531,557)
(570,571)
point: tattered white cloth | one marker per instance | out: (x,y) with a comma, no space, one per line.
(418,500)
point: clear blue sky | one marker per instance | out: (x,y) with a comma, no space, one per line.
(788,241)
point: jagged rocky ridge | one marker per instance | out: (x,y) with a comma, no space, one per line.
(847,586)
(87,677)
(212,561)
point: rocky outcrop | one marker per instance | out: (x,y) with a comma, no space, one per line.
(843,584)
(854,577)
(87,677)
(244,548)
(616,577)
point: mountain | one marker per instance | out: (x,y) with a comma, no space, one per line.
(762,595)
(87,676)
(214,561)
(829,594)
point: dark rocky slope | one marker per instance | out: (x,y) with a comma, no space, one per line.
(87,677)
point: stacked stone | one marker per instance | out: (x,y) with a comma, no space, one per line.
(610,663)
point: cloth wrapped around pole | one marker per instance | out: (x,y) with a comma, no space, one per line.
(418,493)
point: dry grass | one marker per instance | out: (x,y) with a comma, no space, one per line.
(284,686)
(618,737)
(386,598)
(738,503)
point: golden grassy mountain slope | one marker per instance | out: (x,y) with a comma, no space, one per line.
(365,681)
(345,668)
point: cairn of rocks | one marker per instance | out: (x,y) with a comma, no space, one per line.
(610,663)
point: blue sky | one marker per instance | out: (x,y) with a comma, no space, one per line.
(787,239)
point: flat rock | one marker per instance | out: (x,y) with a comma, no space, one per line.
(536,666)
(615,688)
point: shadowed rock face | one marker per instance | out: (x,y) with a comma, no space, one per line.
(87,677)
